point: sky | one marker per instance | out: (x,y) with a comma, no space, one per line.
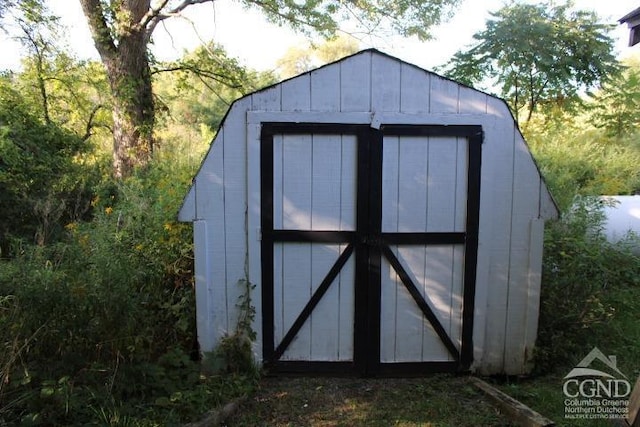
(258,44)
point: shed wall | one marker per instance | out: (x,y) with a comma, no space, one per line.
(376,89)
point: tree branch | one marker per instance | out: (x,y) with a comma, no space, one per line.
(150,15)
(201,73)
(39,57)
(102,37)
(156,15)
(287,18)
(88,130)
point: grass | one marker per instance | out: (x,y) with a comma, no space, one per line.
(545,394)
(436,400)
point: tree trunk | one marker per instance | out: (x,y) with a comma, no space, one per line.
(123,50)
(133,108)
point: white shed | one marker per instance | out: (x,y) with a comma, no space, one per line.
(390,219)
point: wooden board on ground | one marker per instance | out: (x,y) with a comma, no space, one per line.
(634,406)
(517,411)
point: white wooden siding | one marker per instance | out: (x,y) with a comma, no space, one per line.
(385,78)
(371,87)
(496,218)
(444,95)
(325,93)
(235,206)
(414,89)
(526,199)
(355,83)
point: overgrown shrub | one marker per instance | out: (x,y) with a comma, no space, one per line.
(42,184)
(579,161)
(583,279)
(104,320)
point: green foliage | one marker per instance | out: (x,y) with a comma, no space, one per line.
(584,278)
(193,95)
(67,92)
(406,17)
(41,184)
(97,323)
(616,106)
(578,160)
(234,353)
(298,60)
(539,55)
(101,324)
(587,284)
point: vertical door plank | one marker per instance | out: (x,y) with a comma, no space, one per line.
(296,189)
(388,309)
(346,298)
(326,184)
(278,182)
(297,166)
(457,296)
(462,165)
(325,318)
(438,289)
(390,175)
(409,322)
(442,182)
(297,288)
(278,293)
(414,169)
(388,278)
(325,215)
(348,174)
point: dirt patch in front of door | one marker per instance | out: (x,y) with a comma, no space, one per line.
(436,400)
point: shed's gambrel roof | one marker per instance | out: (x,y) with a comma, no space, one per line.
(188,211)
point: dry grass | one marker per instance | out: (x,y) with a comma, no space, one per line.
(437,400)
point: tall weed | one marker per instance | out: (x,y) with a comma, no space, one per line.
(587,163)
(584,277)
(106,315)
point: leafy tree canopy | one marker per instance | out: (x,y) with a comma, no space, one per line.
(193,94)
(616,106)
(300,59)
(39,181)
(537,55)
